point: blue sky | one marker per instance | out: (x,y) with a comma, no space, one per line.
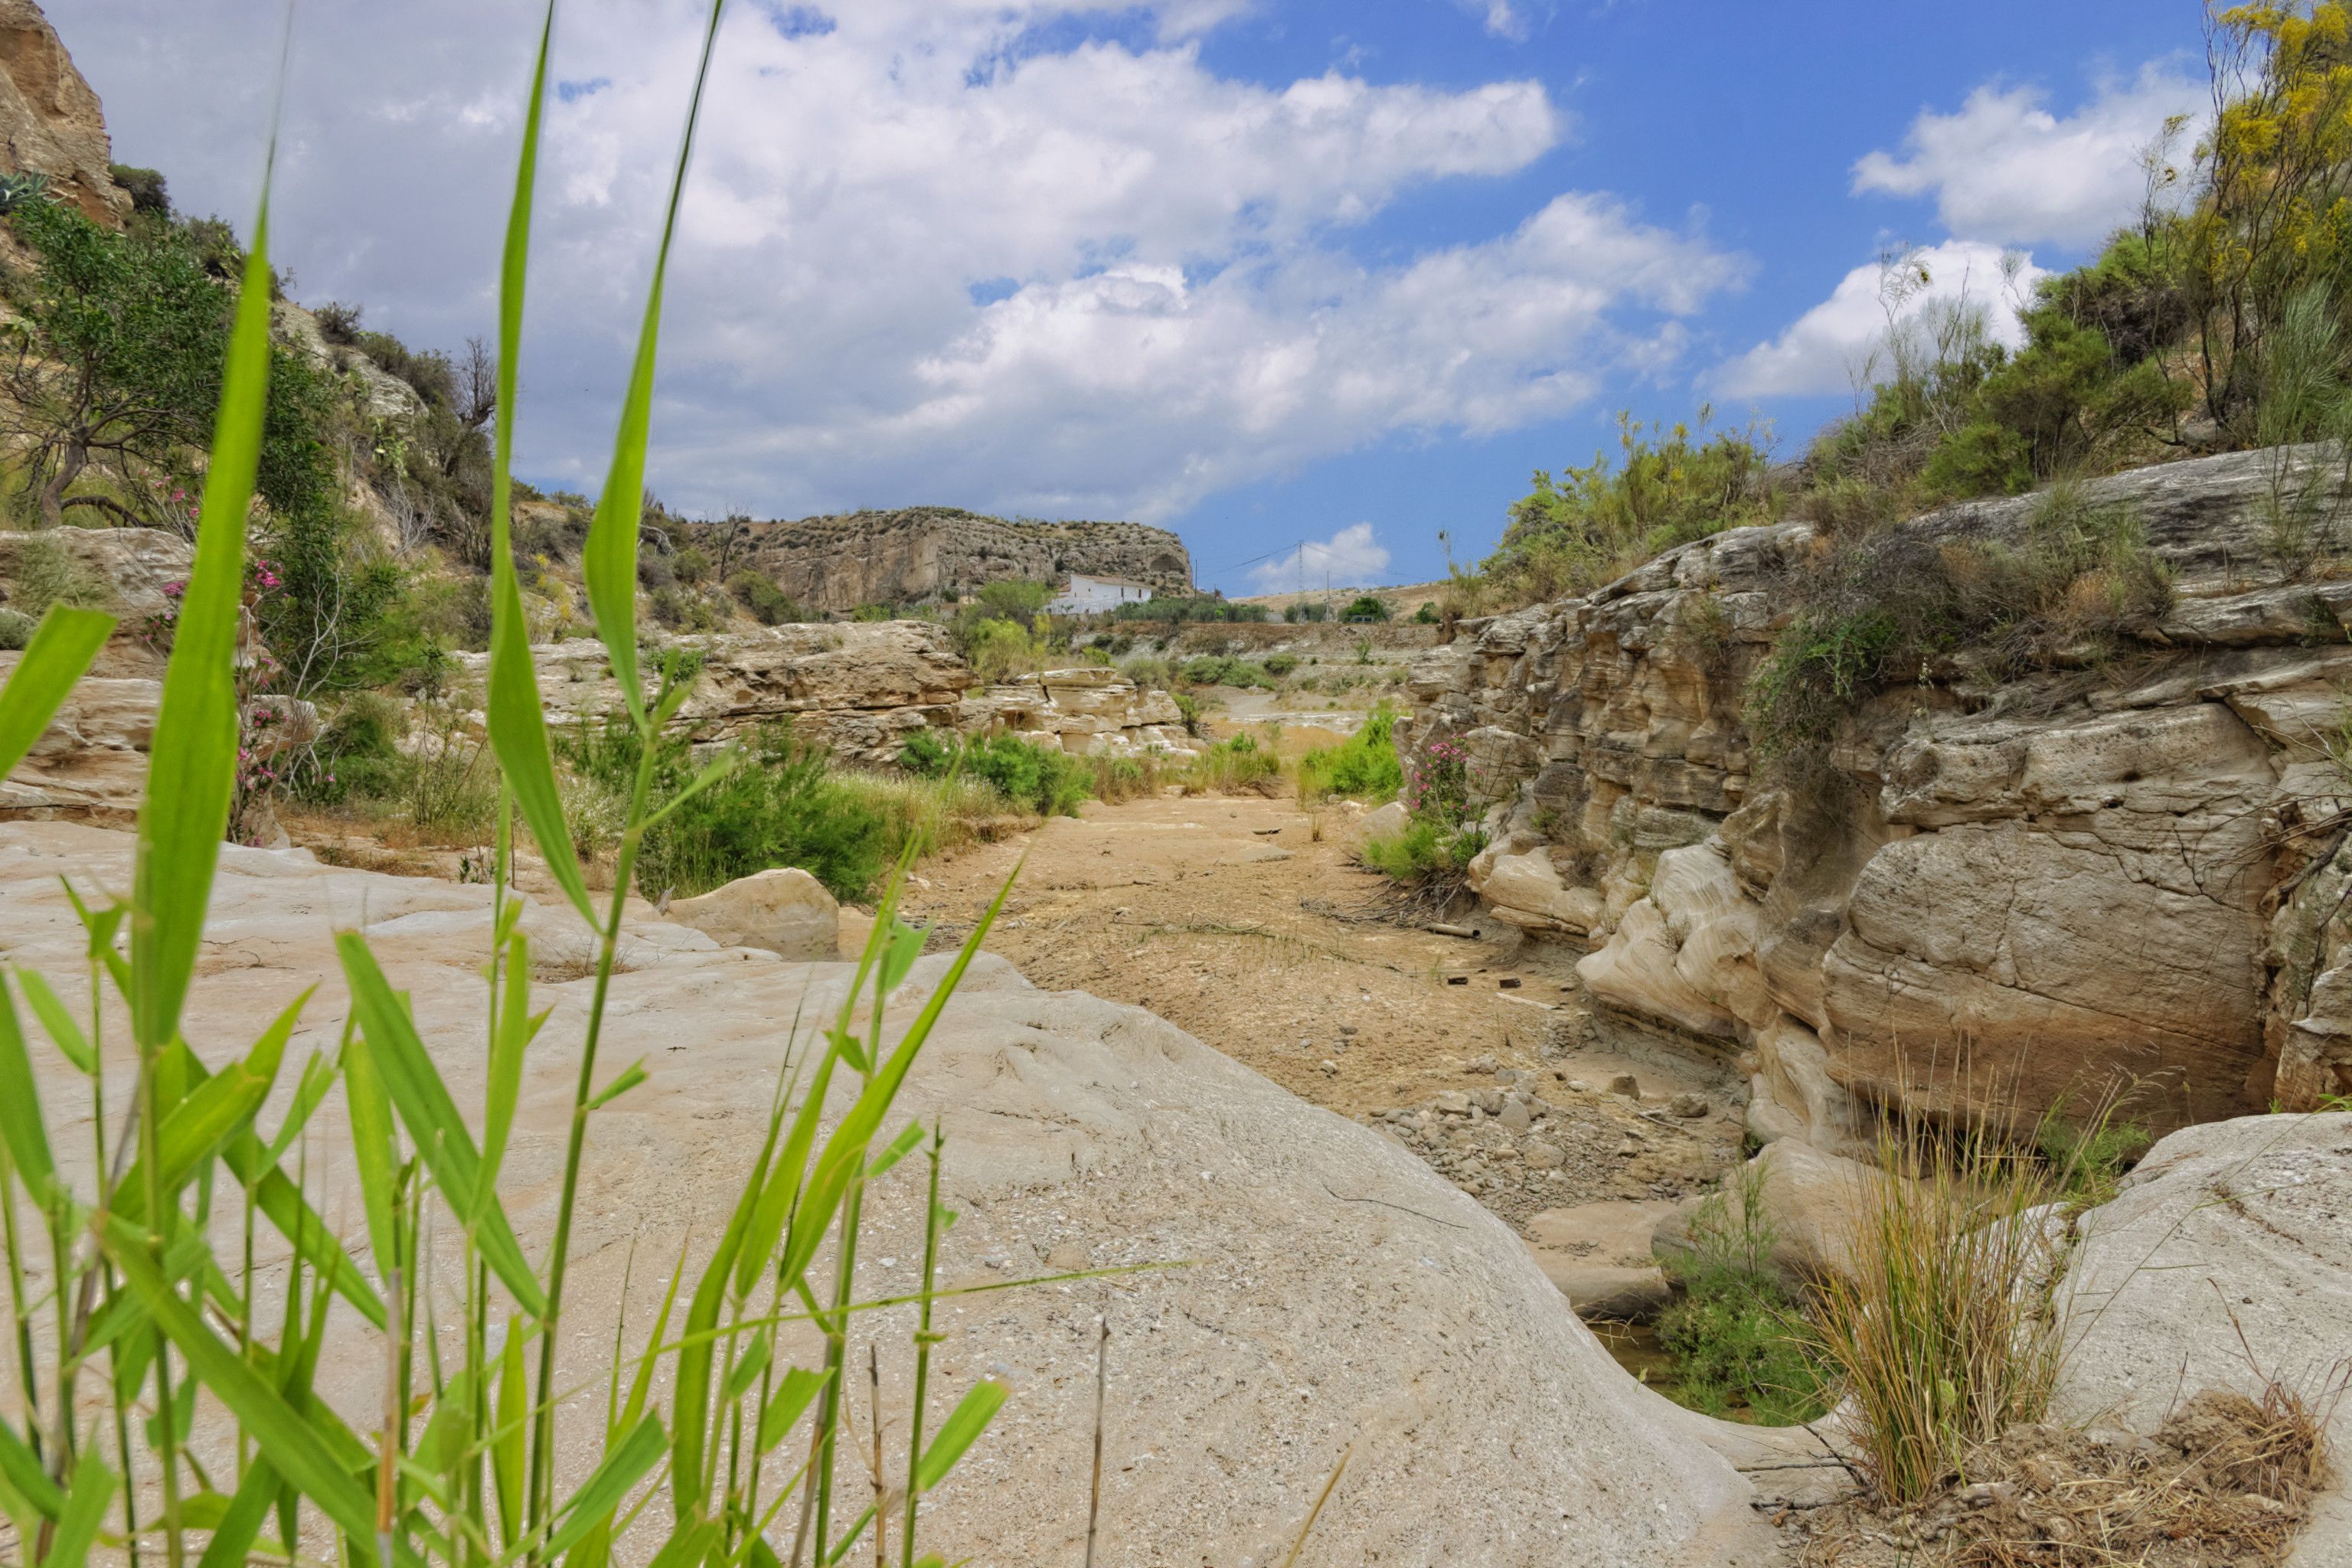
(1264,272)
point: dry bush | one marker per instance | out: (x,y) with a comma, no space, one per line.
(2227,1479)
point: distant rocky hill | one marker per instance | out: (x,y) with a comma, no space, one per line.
(829,563)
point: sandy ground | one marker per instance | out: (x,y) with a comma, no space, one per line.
(1244,921)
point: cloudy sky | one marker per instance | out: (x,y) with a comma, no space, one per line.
(1308,282)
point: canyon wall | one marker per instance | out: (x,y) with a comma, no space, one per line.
(862,688)
(2120,871)
(50,123)
(832,563)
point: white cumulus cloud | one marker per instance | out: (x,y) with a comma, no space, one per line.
(2004,170)
(1840,343)
(1352,558)
(933,250)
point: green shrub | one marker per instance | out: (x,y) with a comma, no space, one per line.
(1224,670)
(1280,664)
(1308,610)
(998,650)
(1741,1346)
(15,629)
(357,754)
(1887,608)
(149,194)
(780,805)
(758,594)
(1667,486)
(1422,851)
(1043,779)
(1362,767)
(1235,763)
(1427,614)
(1367,608)
(1178,610)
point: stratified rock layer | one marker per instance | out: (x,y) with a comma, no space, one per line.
(940,553)
(1330,1294)
(2124,872)
(861,689)
(50,123)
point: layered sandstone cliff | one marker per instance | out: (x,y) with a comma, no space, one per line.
(862,688)
(940,553)
(2126,867)
(50,123)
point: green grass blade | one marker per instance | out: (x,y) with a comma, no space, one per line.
(370,1113)
(514,1419)
(433,1124)
(690,1401)
(232,1539)
(504,1089)
(56,658)
(609,562)
(192,769)
(518,724)
(85,1499)
(901,1147)
(20,1107)
(747,1368)
(46,1006)
(217,1108)
(304,1452)
(789,1402)
(625,1465)
(631,1076)
(962,1428)
(21,1468)
(310,1090)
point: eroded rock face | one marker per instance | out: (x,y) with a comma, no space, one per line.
(2127,872)
(861,689)
(922,553)
(1337,1291)
(2226,1260)
(50,123)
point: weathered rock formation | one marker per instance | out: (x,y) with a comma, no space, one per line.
(50,123)
(941,552)
(2127,866)
(2225,1261)
(861,689)
(1335,1294)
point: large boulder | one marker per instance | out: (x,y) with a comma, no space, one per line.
(2225,1261)
(782,910)
(1330,1293)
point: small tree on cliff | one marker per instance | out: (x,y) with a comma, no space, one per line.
(114,355)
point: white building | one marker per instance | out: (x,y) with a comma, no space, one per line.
(1091,595)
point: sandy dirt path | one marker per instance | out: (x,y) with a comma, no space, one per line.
(1230,917)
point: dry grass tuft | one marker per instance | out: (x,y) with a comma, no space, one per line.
(2226,1480)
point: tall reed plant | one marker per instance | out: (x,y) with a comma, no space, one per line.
(150,1314)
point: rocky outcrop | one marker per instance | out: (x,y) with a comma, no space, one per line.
(2122,867)
(861,690)
(1335,1294)
(937,552)
(2225,1262)
(50,123)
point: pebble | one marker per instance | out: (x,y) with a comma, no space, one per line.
(1452,1102)
(1515,1116)
(1689,1105)
(1578,1086)
(1482,1065)
(1626,1084)
(1543,1156)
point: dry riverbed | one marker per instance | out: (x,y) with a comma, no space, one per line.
(1244,921)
